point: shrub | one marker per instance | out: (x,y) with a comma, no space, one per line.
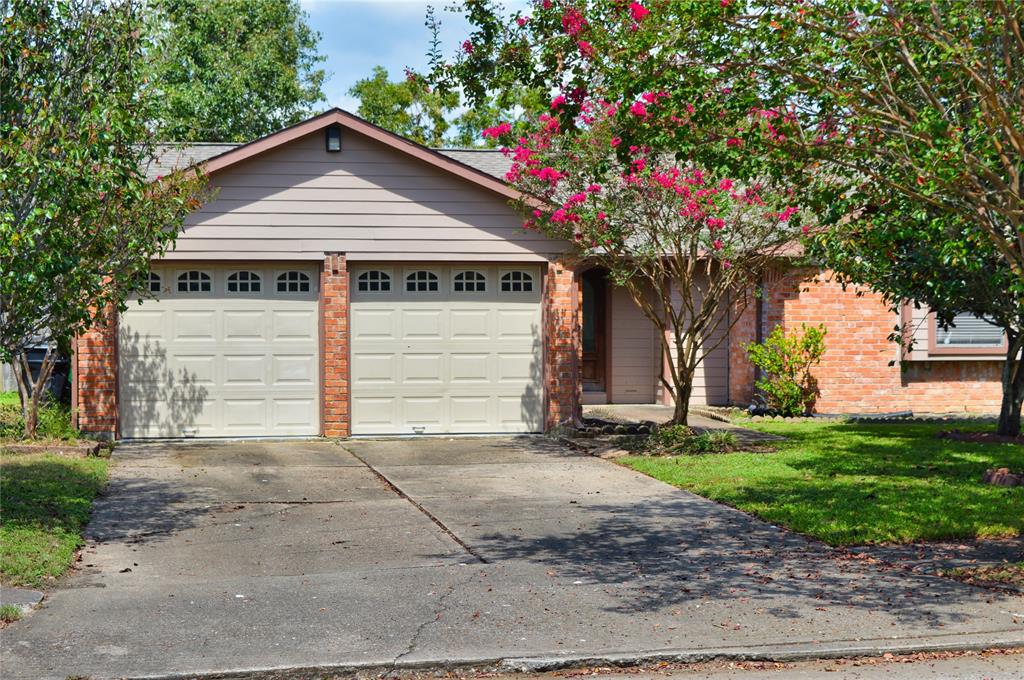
(54,421)
(785,362)
(680,439)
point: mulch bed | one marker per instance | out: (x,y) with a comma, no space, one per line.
(79,449)
(981,437)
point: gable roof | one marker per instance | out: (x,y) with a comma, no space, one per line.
(485,168)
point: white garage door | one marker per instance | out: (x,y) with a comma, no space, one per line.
(446,349)
(221,351)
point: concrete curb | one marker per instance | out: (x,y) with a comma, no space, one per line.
(1009,639)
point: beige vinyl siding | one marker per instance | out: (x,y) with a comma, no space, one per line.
(368,201)
(635,352)
(711,381)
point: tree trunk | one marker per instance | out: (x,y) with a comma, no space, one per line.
(682,393)
(1013,387)
(32,391)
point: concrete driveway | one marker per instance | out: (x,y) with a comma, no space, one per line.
(231,557)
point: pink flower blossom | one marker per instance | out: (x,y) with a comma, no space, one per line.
(576,198)
(715,223)
(558,101)
(717,244)
(549,174)
(467,47)
(638,110)
(616,141)
(725,184)
(559,216)
(805,229)
(601,215)
(586,49)
(638,11)
(573,21)
(726,264)
(787,213)
(522,20)
(498,130)
(594,188)
(733,141)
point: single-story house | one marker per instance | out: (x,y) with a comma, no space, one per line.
(346,281)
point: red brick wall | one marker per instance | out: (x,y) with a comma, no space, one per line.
(854,375)
(94,390)
(334,348)
(562,346)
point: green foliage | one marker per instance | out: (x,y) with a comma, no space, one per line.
(9,613)
(406,107)
(786,361)
(853,483)
(79,221)
(670,436)
(680,439)
(232,70)
(54,420)
(45,502)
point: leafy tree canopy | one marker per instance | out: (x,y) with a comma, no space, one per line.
(232,70)
(79,220)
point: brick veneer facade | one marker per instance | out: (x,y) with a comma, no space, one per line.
(94,370)
(335,420)
(855,375)
(562,346)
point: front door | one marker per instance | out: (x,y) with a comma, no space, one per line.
(594,323)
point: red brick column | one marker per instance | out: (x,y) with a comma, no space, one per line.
(94,387)
(334,348)
(741,371)
(562,347)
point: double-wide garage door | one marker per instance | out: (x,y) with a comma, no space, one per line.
(233,351)
(446,349)
(221,351)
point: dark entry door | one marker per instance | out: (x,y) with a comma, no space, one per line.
(594,340)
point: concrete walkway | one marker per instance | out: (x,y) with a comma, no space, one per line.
(220,558)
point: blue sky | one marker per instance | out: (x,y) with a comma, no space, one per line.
(356,35)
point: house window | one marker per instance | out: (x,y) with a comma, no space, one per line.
(244,282)
(374,281)
(153,283)
(194,282)
(421,281)
(516,282)
(293,282)
(470,282)
(968,330)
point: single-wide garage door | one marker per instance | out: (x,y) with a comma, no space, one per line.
(446,349)
(221,351)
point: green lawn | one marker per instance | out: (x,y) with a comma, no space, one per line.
(851,483)
(45,502)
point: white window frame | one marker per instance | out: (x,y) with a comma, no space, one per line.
(533,280)
(484,280)
(386,272)
(184,272)
(415,270)
(284,272)
(260,278)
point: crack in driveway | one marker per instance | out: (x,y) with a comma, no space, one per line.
(431,516)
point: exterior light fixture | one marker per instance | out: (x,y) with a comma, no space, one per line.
(334,138)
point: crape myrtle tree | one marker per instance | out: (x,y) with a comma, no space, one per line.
(79,221)
(636,162)
(686,244)
(910,116)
